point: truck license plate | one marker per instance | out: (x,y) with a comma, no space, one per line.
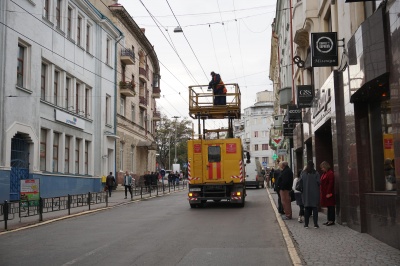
(195,189)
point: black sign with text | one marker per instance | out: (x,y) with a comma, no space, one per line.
(324,49)
(295,115)
(288,130)
(305,96)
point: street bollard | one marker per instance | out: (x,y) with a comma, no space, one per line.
(69,204)
(141,192)
(106,199)
(89,199)
(40,209)
(5,212)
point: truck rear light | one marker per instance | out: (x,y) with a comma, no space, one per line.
(237,193)
(193,194)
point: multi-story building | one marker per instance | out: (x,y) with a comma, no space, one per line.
(352,122)
(254,128)
(138,76)
(57,85)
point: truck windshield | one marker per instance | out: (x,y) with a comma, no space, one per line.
(214,154)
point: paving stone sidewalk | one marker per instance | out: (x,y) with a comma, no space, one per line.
(337,244)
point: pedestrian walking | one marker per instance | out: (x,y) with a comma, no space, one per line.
(327,194)
(110,183)
(285,183)
(128,184)
(311,181)
(271,178)
(298,196)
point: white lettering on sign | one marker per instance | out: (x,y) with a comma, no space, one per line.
(324,45)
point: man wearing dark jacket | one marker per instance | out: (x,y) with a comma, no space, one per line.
(285,183)
(218,87)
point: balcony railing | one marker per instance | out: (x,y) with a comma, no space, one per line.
(143,73)
(156,92)
(156,116)
(127,88)
(143,101)
(127,56)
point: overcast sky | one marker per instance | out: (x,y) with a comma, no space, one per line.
(230,37)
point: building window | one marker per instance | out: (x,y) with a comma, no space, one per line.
(123,70)
(265,147)
(69,23)
(108,110)
(256,147)
(133,114)
(43,138)
(20,66)
(58,14)
(88,38)
(43,82)
(78,30)
(66,156)
(46,9)
(56,82)
(55,152)
(122,106)
(88,97)
(78,141)
(265,159)
(141,117)
(67,90)
(121,156)
(256,134)
(108,51)
(132,159)
(77,98)
(86,157)
(264,120)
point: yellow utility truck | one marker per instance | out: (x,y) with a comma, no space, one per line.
(216,169)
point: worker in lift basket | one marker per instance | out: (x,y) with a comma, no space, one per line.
(219,89)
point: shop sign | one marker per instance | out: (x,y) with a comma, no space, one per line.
(276,141)
(295,115)
(288,130)
(70,119)
(305,96)
(281,152)
(324,49)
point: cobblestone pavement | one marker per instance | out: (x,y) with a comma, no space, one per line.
(335,245)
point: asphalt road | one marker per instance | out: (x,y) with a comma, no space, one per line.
(158,231)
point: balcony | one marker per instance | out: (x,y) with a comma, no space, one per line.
(143,73)
(127,88)
(156,92)
(127,56)
(156,116)
(142,102)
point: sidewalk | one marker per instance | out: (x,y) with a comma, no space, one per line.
(331,245)
(117,199)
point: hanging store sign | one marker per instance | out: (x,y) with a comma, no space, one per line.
(288,130)
(295,115)
(324,49)
(305,96)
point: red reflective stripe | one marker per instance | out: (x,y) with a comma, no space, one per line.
(210,171)
(219,170)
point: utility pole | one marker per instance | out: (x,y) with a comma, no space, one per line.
(176,117)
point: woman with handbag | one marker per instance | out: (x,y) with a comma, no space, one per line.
(328,192)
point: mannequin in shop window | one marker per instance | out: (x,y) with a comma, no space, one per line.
(390,175)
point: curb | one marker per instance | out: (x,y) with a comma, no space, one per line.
(294,255)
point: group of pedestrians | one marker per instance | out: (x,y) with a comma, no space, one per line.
(311,191)
(127,183)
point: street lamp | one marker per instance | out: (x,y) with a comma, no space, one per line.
(176,117)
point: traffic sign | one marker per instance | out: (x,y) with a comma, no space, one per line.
(264,164)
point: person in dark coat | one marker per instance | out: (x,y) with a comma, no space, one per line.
(311,181)
(327,195)
(285,183)
(110,182)
(219,89)
(276,176)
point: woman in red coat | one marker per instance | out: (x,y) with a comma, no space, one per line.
(327,192)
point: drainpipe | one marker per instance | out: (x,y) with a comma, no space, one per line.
(291,45)
(115,102)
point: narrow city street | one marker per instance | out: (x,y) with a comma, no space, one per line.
(158,231)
